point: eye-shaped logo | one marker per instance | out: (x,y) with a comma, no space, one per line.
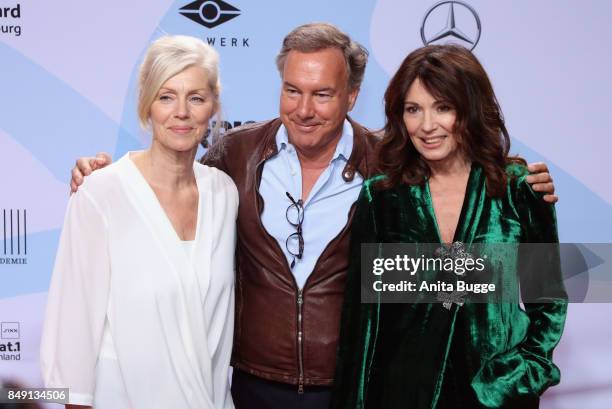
(469,21)
(209,13)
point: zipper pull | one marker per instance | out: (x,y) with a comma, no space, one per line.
(300,301)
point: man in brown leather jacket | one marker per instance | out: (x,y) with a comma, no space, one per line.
(287,326)
(287,319)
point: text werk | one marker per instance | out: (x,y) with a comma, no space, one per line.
(228,41)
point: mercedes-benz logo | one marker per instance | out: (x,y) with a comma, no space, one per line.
(451,31)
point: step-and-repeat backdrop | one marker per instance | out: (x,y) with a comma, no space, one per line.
(68,88)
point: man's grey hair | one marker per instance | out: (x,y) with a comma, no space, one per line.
(318,36)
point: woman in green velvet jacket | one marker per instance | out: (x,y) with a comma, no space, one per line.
(446,177)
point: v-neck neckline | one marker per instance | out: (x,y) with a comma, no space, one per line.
(463,211)
(158,205)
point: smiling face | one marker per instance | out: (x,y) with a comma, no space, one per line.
(181,110)
(430,124)
(315,98)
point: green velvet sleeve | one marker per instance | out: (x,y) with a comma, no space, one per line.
(359,321)
(525,371)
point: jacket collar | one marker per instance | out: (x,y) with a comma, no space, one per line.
(361,159)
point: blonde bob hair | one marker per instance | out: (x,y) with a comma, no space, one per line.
(166,57)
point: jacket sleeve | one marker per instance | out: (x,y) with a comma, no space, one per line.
(77,302)
(359,326)
(523,373)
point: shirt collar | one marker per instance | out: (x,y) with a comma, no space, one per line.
(343,149)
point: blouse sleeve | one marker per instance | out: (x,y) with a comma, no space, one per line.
(77,301)
(529,368)
(359,326)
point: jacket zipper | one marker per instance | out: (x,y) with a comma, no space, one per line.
(300,297)
(300,303)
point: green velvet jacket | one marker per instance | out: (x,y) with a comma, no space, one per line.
(417,356)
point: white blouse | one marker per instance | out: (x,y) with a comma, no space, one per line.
(132,320)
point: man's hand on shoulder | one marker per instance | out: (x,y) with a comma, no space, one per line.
(84,166)
(541,181)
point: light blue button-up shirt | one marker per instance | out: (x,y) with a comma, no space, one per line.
(326,210)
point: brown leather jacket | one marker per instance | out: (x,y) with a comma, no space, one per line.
(281,333)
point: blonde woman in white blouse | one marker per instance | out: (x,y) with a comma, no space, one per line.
(141,303)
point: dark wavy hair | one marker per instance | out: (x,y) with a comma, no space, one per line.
(452,74)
